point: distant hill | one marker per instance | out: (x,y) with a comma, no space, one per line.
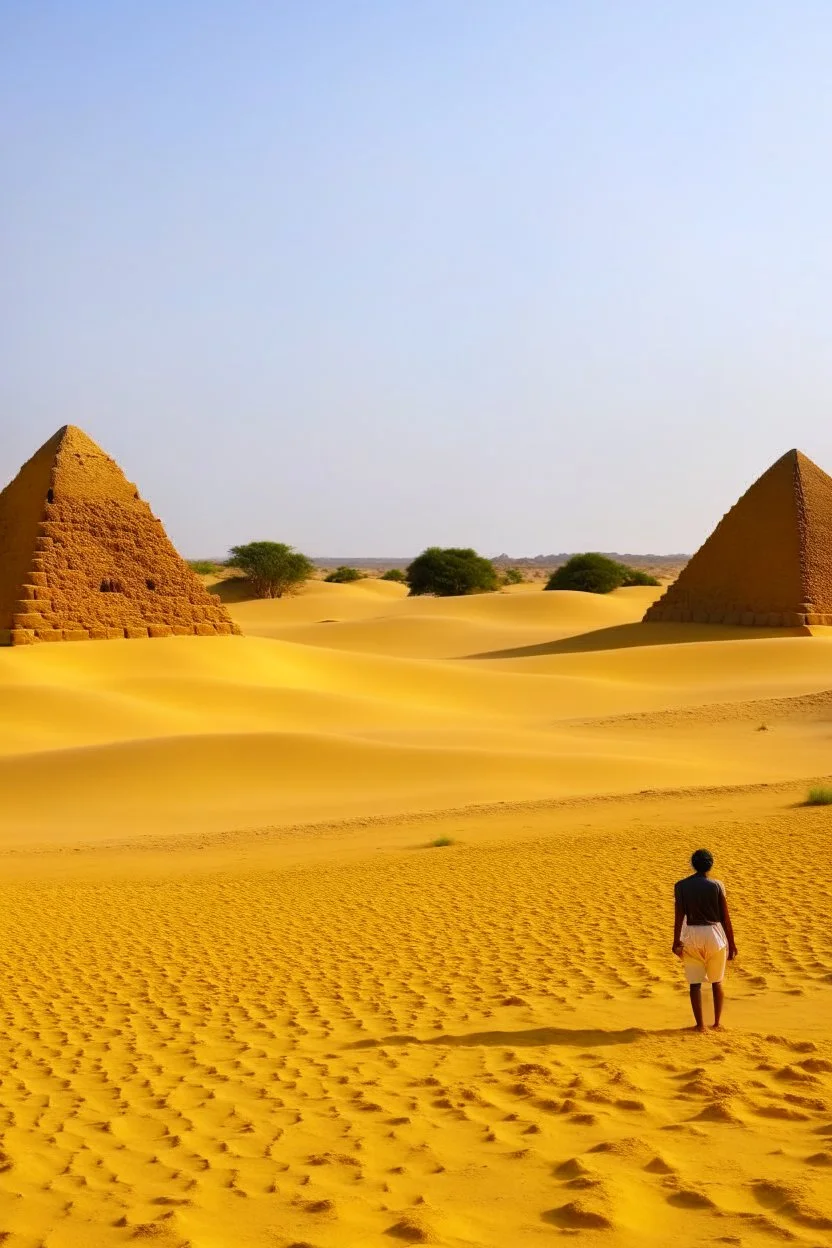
(515,561)
(554,561)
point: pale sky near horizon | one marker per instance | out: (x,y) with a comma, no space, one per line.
(368,275)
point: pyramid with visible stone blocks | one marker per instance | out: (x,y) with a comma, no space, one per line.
(83,557)
(768,563)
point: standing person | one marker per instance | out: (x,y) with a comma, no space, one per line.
(703,936)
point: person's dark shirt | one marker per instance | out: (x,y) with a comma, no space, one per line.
(699,898)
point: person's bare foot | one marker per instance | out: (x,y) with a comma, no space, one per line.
(717,1027)
(697,1027)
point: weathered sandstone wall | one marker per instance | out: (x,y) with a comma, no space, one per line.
(83,556)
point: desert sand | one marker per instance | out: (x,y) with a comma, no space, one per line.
(246,1000)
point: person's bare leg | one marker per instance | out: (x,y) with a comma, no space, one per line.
(696,1003)
(719,998)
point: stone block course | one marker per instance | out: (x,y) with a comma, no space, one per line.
(22,637)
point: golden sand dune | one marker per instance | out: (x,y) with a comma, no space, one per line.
(99,740)
(427,628)
(246,1002)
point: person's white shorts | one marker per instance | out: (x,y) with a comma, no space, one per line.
(705,953)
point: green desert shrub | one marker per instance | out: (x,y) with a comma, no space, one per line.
(820,795)
(513,576)
(395,574)
(204,567)
(441,842)
(343,576)
(273,568)
(596,574)
(635,576)
(591,573)
(451,571)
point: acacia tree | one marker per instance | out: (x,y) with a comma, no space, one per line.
(451,571)
(273,568)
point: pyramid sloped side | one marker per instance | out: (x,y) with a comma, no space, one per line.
(103,564)
(22,507)
(749,571)
(816,520)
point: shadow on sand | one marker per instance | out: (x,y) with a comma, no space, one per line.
(622,636)
(534,1037)
(233,589)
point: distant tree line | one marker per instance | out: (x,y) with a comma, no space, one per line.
(275,569)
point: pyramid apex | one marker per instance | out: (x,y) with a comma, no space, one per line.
(802,457)
(68,438)
(795,458)
(72,437)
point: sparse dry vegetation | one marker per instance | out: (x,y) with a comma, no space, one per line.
(819,795)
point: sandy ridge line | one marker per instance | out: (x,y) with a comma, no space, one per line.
(332,828)
(799,706)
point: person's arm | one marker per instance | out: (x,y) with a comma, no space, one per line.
(679,919)
(727,924)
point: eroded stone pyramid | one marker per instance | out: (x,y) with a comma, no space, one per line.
(82,556)
(768,563)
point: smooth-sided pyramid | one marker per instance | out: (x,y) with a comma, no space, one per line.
(82,556)
(768,563)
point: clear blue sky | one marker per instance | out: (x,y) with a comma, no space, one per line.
(365,275)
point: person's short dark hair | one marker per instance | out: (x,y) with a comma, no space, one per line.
(702,860)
